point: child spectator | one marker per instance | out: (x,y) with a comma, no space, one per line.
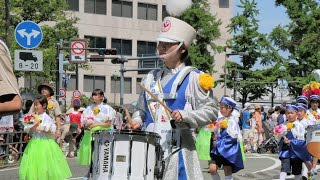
(42,158)
(281,117)
(76,123)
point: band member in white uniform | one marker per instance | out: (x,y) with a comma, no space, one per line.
(182,89)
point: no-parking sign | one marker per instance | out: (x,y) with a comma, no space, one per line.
(76,94)
(62,93)
(78,52)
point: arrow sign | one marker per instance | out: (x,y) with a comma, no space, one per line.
(28,34)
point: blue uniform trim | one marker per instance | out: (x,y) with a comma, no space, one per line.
(182,174)
(173,104)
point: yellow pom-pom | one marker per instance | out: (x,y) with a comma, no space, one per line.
(206,81)
(224,124)
(290,125)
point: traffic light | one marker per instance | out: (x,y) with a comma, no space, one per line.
(116,61)
(103,51)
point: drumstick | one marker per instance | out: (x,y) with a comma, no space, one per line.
(156,98)
(160,102)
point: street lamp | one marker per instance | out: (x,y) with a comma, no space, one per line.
(225,68)
(282,83)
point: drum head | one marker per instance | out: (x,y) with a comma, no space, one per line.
(313,149)
(127,132)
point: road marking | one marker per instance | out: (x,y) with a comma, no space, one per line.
(9,169)
(277,163)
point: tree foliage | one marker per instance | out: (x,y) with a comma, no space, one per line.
(246,38)
(300,39)
(207,26)
(55,23)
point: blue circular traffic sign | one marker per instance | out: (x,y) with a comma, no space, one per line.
(28,34)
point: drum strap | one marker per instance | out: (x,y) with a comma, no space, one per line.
(179,79)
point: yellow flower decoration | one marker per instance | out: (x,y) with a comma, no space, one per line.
(96,110)
(314,112)
(36,119)
(50,106)
(224,124)
(306,116)
(206,81)
(290,125)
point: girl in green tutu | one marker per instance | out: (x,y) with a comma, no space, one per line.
(42,158)
(97,116)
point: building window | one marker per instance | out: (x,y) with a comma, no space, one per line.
(71,84)
(223,3)
(145,49)
(147,11)
(95,6)
(73,5)
(121,8)
(94,82)
(115,85)
(124,47)
(96,42)
(164,12)
(138,87)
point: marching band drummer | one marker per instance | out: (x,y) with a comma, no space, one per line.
(97,116)
(183,89)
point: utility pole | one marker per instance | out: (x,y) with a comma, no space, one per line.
(7,6)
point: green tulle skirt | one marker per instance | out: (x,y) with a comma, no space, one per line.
(203,144)
(43,160)
(85,151)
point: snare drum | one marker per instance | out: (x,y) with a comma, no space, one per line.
(313,140)
(126,154)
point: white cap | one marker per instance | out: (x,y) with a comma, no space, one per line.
(175,30)
(247,104)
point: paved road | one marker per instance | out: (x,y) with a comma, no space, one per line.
(257,167)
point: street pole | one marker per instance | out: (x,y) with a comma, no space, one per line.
(272,97)
(234,87)
(57,71)
(225,75)
(7,6)
(225,64)
(121,82)
(77,76)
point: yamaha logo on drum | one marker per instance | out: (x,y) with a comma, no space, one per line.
(106,157)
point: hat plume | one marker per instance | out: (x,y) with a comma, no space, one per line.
(178,7)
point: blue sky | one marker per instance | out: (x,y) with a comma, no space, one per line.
(270,15)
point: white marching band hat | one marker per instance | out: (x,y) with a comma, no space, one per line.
(174,30)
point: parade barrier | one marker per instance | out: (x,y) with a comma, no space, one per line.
(12,145)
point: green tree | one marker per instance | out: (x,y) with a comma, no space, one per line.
(207,27)
(55,23)
(300,39)
(244,26)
